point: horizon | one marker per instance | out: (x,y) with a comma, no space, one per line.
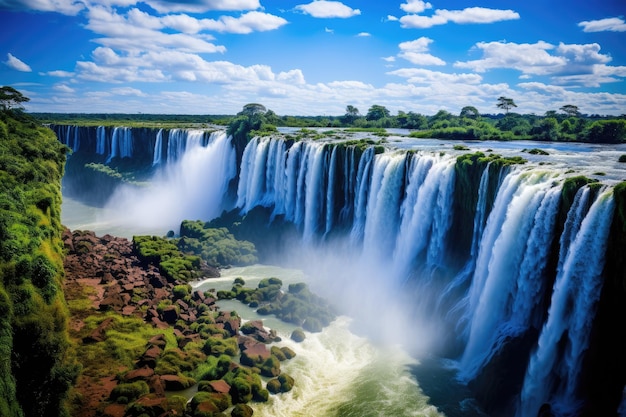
(211,57)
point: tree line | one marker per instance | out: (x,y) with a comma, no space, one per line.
(567,124)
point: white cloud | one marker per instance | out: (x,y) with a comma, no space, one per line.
(568,64)
(415,6)
(66,7)
(16,64)
(588,54)
(364,35)
(527,58)
(611,24)
(328,9)
(138,32)
(127,91)
(477,15)
(200,6)
(244,24)
(418,58)
(389,58)
(58,73)
(418,45)
(425,76)
(465,16)
(416,52)
(63,88)
(391,18)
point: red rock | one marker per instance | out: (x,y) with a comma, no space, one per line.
(144,374)
(219,386)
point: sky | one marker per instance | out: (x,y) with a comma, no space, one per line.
(314,58)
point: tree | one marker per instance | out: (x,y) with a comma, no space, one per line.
(469,112)
(505,103)
(570,110)
(252,109)
(11,98)
(377,112)
(352,113)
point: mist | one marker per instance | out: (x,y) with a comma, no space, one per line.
(190,188)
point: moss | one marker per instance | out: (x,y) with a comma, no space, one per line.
(129,391)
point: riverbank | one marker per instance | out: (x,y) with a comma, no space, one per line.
(149,344)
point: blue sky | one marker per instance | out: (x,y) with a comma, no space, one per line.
(314,57)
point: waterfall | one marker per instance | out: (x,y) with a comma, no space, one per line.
(193,187)
(101,138)
(425,212)
(528,273)
(500,268)
(553,371)
(158,149)
(361,197)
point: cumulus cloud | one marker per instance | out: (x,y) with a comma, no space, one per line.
(611,24)
(246,23)
(416,52)
(465,16)
(415,6)
(328,9)
(17,64)
(139,31)
(527,58)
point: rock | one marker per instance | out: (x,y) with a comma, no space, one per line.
(169,314)
(298,335)
(255,355)
(219,386)
(242,410)
(99,333)
(143,374)
(158,340)
(175,383)
(288,352)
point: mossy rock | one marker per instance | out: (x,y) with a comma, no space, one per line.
(298,335)
(278,353)
(283,383)
(123,393)
(622,158)
(242,410)
(288,352)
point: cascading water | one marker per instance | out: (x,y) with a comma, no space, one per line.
(396,210)
(555,365)
(186,188)
(158,149)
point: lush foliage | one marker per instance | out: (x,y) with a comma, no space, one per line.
(298,305)
(164,253)
(36,369)
(217,246)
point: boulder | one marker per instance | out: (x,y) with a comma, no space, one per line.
(143,374)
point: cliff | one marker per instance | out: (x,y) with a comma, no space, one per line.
(36,367)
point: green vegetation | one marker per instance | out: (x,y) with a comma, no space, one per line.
(298,305)
(217,246)
(36,364)
(164,253)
